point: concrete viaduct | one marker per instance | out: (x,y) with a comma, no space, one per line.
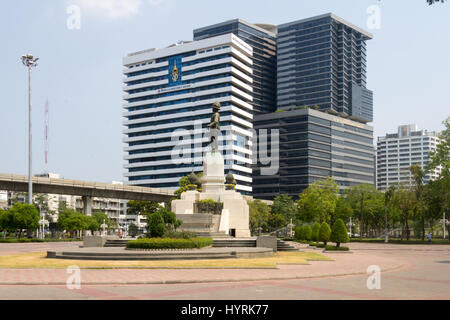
(87,190)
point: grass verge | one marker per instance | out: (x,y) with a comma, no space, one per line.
(39,260)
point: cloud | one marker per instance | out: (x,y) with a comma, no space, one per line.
(113,9)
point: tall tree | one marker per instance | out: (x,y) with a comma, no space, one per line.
(259,215)
(358,195)
(418,176)
(285,206)
(25,216)
(318,201)
(405,201)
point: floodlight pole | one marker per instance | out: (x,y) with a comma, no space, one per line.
(29,62)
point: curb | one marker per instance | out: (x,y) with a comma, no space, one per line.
(198,281)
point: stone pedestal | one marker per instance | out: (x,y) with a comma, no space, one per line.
(235,214)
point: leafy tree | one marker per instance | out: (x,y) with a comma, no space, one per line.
(6,222)
(418,176)
(405,201)
(169,217)
(285,206)
(339,233)
(259,215)
(133,230)
(155,225)
(343,209)
(101,217)
(25,216)
(91,223)
(357,196)
(307,232)
(135,207)
(318,201)
(276,221)
(324,233)
(315,232)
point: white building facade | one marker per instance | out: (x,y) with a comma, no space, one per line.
(397,152)
(168,97)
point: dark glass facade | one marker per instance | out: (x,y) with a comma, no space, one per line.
(263,43)
(314,145)
(322,61)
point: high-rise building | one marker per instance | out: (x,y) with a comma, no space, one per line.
(321,61)
(396,152)
(262,38)
(314,145)
(168,97)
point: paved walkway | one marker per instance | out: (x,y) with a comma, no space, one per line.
(344,264)
(410,272)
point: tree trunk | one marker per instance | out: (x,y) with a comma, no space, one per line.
(423,226)
(361,217)
(407,229)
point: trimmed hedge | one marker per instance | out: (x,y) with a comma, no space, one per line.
(334,248)
(169,243)
(180,235)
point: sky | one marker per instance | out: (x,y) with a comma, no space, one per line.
(80,70)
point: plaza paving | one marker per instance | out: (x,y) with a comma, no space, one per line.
(408,272)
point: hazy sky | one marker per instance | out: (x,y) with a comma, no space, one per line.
(80,71)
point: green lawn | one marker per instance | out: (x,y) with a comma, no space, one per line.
(39,260)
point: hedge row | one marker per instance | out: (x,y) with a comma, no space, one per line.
(334,248)
(169,243)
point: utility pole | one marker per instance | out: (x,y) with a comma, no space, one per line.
(29,62)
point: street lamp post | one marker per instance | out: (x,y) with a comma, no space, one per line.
(29,61)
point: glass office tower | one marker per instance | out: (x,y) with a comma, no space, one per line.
(314,145)
(262,38)
(321,62)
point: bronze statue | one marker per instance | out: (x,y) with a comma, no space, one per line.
(214,127)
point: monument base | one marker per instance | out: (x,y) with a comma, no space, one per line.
(234,219)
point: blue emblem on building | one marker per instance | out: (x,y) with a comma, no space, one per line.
(175,74)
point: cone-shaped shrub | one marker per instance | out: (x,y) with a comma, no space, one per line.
(156,226)
(339,233)
(298,233)
(307,232)
(324,233)
(315,232)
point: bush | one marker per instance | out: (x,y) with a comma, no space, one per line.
(169,243)
(208,206)
(320,245)
(307,232)
(180,235)
(315,232)
(324,233)
(298,232)
(335,248)
(156,227)
(339,233)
